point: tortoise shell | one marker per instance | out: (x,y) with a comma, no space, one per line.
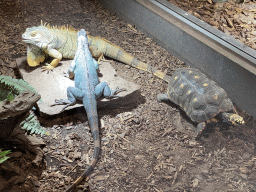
(200,97)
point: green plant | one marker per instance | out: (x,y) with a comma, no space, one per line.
(30,124)
(9,89)
(3,156)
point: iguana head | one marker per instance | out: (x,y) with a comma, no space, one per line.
(40,36)
(82,38)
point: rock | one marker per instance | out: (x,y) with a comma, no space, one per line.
(68,179)
(199,177)
(253,33)
(139,157)
(53,85)
(195,183)
(35,140)
(77,155)
(246,156)
(10,167)
(216,170)
(244,176)
(15,154)
(205,171)
(204,168)
(240,161)
(171,169)
(99,178)
(243,170)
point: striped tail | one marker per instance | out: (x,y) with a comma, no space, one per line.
(91,110)
(102,46)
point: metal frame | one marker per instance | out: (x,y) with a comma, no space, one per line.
(222,58)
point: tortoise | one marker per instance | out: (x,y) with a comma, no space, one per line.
(201,98)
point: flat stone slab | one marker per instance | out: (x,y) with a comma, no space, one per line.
(53,85)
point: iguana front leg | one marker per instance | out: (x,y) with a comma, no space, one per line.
(73,94)
(57,57)
(71,70)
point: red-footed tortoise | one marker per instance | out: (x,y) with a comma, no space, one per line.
(201,98)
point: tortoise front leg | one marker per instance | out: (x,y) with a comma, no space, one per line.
(199,130)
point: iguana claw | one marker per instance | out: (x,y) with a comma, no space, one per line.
(54,104)
(116,91)
(65,102)
(48,67)
(58,102)
(65,74)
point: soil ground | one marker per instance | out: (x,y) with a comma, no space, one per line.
(146,146)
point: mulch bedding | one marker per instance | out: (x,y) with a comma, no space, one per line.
(233,17)
(146,146)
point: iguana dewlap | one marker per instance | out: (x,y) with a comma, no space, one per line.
(61,42)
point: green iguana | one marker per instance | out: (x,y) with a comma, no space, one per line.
(61,42)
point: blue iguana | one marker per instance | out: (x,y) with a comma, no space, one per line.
(87,89)
(61,42)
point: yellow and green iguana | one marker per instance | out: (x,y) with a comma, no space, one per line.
(61,42)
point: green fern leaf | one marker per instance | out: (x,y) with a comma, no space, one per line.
(27,127)
(3,159)
(3,94)
(3,156)
(14,86)
(10,96)
(30,124)
(34,129)
(9,88)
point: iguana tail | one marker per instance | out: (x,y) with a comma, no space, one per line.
(100,47)
(91,110)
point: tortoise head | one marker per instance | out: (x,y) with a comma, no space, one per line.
(233,118)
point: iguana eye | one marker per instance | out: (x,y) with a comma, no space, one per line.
(33,33)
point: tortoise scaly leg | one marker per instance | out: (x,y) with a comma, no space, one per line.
(199,130)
